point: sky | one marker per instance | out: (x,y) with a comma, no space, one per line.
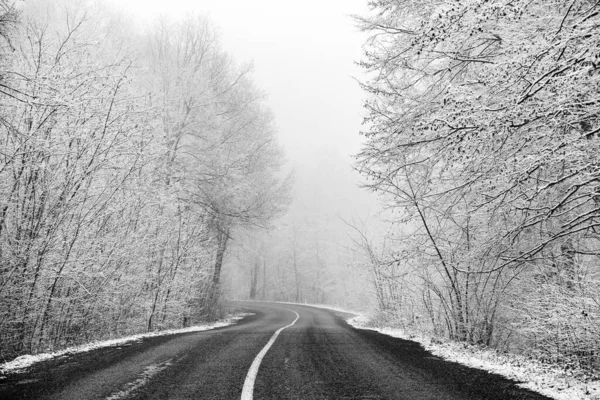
(303,55)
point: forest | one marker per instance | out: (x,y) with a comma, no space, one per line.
(482,139)
(143,182)
(129,158)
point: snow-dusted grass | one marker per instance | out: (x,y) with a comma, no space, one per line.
(549,380)
(19,364)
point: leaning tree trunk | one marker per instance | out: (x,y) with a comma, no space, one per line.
(213,296)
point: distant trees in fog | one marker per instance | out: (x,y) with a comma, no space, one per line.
(295,262)
(483,139)
(127,162)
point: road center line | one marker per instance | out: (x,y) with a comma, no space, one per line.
(248,389)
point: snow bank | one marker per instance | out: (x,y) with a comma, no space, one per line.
(551,381)
(25,361)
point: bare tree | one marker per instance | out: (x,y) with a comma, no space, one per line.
(481,134)
(124,172)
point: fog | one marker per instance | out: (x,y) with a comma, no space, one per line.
(160,158)
(303,58)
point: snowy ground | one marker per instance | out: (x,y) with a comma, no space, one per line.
(550,381)
(21,363)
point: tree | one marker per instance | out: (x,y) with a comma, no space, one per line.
(221,153)
(122,176)
(482,132)
(64,161)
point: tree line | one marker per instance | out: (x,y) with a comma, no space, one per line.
(482,138)
(129,158)
(300,261)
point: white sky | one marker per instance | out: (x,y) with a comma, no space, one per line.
(303,54)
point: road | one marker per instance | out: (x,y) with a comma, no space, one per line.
(318,357)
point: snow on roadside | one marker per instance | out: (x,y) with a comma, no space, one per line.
(550,381)
(19,364)
(324,306)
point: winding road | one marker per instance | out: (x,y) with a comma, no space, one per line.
(283,351)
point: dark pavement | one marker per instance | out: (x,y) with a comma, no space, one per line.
(319,357)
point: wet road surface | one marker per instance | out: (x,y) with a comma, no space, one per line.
(318,357)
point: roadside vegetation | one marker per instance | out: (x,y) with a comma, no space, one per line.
(129,158)
(482,138)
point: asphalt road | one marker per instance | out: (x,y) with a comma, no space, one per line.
(318,357)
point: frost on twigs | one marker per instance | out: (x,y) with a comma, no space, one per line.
(128,160)
(482,139)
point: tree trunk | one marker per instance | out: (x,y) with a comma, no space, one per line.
(253,280)
(222,238)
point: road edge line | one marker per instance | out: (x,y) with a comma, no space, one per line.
(248,389)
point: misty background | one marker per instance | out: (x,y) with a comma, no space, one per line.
(161,158)
(304,59)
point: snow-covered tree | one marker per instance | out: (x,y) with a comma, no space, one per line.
(482,132)
(127,161)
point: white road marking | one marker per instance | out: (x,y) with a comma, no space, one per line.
(248,390)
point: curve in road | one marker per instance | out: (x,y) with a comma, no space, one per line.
(248,389)
(316,355)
